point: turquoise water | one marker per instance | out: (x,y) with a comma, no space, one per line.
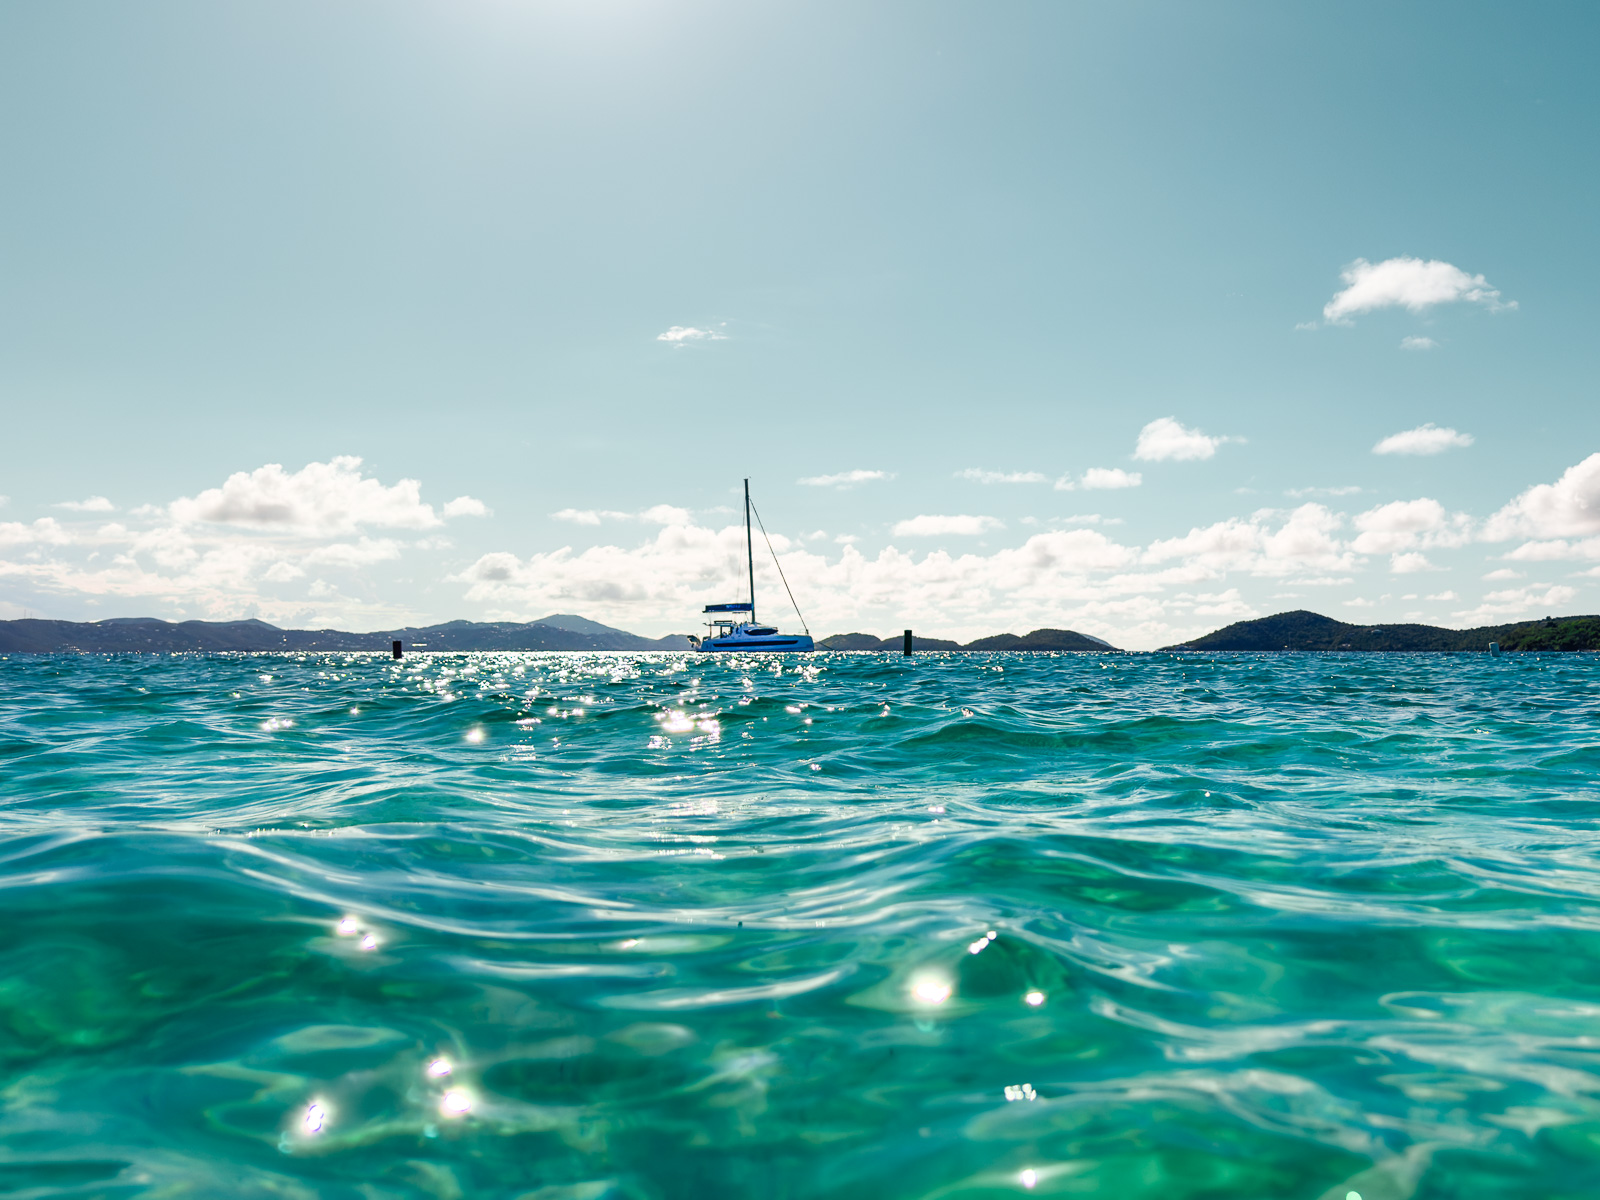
(598,926)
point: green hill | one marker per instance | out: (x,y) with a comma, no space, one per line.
(1302,630)
(121,635)
(1039,639)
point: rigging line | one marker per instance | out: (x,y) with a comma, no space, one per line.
(779,565)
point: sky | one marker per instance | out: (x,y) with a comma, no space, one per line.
(1131,318)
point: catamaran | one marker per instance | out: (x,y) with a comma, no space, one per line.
(729,630)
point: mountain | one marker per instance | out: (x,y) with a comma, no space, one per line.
(602,633)
(853,641)
(1039,639)
(149,635)
(1302,630)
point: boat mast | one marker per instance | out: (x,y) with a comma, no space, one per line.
(749,552)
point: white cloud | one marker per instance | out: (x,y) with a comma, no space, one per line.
(1418,343)
(1555,549)
(1298,493)
(465,506)
(1504,573)
(362,553)
(1410,525)
(680,335)
(1424,439)
(1444,596)
(1109,477)
(1305,540)
(1360,602)
(1165,440)
(657,514)
(1062,578)
(1410,283)
(932,526)
(46,531)
(238,549)
(845,479)
(1569,507)
(321,499)
(980,476)
(92,504)
(1516,602)
(1410,563)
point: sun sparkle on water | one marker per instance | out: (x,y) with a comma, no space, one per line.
(729,955)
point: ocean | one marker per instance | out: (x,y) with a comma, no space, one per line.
(664,927)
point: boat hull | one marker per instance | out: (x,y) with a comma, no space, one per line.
(773,644)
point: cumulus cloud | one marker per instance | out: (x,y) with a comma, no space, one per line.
(1075,578)
(1405,528)
(1100,478)
(845,479)
(932,526)
(46,531)
(1569,507)
(1519,602)
(320,499)
(1298,493)
(976,475)
(657,514)
(1410,283)
(680,335)
(92,504)
(1555,549)
(1418,343)
(362,553)
(1266,543)
(1109,477)
(465,506)
(239,549)
(1410,563)
(1424,439)
(1165,440)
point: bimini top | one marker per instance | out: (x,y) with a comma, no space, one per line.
(730,608)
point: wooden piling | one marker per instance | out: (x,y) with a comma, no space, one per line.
(397,650)
(907,646)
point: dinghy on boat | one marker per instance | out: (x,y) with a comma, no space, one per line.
(734,626)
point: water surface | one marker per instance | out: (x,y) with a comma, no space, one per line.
(585,927)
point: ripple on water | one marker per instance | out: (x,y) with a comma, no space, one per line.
(612,925)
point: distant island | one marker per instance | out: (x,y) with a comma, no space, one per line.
(1300,630)
(121,635)
(1039,639)
(563,631)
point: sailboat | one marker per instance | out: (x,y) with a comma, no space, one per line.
(734,626)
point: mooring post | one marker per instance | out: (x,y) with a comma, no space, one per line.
(1494,649)
(907,647)
(397,650)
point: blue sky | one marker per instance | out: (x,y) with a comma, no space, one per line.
(245,245)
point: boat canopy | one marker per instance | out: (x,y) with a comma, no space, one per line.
(730,608)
